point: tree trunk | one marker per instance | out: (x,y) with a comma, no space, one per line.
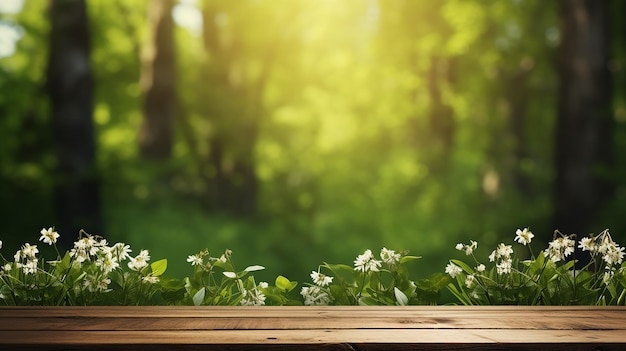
(234,110)
(583,131)
(70,88)
(158,82)
(441,118)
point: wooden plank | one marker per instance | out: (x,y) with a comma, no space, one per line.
(159,318)
(317,336)
(330,327)
(379,322)
(289,311)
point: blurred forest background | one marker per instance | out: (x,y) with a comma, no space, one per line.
(295,131)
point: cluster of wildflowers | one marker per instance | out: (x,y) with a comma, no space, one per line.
(366,262)
(371,280)
(560,248)
(26,259)
(454,270)
(318,294)
(548,278)
(604,246)
(254,296)
(82,276)
(94,272)
(216,282)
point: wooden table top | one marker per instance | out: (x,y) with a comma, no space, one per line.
(328,327)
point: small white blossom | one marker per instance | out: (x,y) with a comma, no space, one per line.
(263,285)
(29,251)
(150,279)
(315,296)
(614,255)
(120,251)
(587,244)
(524,236)
(0,244)
(195,260)
(560,248)
(366,262)
(469,280)
(453,270)
(480,268)
(106,262)
(504,266)
(49,236)
(504,251)
(469,249)
(390,257)
(253,297)
(139,262)
(321,279)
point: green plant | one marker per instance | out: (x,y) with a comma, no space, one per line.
(547,278)
(372,281)
(91,273)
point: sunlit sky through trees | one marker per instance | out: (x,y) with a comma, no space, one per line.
(305,127)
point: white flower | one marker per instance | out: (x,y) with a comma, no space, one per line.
(140,261)
(315,296)
(253,297)
(263,285)
(120,251)
(29,251)
(0,244)
(49,236)
(6,267)
(560,248)
(492,256)
(106,262)
(390,257)
(150,279)
(320,278)
(195,260)
(504,267)
(480,268)
(614,255)
(30,267)
(84,248)
(469,280)
(587,244)
(504,251)
(453,270)
(469,249)
(104,284)
(366,262)
(524,236)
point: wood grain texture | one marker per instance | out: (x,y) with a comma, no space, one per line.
(319,328)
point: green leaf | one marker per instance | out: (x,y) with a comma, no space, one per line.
(231,275)
(158,267)
(463,266)
(199,297)
(285,284)
(400,297)
(409,258)
(254,268)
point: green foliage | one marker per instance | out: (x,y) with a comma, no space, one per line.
(545,279)
(338,109)
(372,281)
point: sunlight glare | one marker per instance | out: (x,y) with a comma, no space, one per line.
(9,35)
(11,6)
(187,15)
